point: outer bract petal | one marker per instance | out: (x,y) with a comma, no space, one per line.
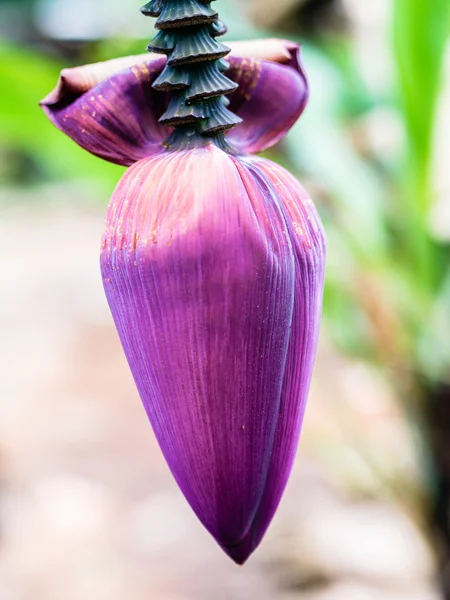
(118,118)
(270,97)
(74,82)
(111,110)
(309,250)
(215,286)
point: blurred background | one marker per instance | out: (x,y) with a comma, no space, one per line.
(88,508)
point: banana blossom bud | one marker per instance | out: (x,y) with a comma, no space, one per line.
(213,267)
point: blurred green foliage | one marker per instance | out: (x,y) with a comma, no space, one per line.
(388,284)
(26,78)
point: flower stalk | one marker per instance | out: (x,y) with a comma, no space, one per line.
(194,72)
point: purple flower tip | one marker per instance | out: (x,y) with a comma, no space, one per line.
(215,286)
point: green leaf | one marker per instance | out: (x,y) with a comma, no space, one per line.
(26,78)
(421,30)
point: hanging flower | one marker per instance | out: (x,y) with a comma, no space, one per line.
(213,264)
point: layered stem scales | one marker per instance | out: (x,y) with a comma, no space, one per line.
(194,72)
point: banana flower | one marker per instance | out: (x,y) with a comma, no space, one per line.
(213,266)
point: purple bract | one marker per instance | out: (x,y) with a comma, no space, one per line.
(213,267)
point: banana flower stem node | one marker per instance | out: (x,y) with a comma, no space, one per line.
(212,258)
(194,74)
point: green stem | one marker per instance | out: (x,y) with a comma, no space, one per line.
(194,72)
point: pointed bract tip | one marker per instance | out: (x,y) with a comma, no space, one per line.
(239,553)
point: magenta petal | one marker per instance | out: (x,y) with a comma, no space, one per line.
(309,251)
(215,287)
(117,119)
(269,100)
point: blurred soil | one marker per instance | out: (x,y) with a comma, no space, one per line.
(88,509)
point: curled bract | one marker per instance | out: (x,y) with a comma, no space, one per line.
(111,109)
